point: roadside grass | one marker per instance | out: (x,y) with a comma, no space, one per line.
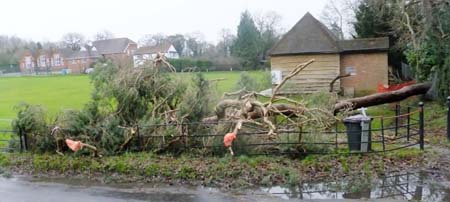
(240,171)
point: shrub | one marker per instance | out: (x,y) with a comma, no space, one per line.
(31,120)
(251,83)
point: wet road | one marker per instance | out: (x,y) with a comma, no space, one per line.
(393,187)
(20,190)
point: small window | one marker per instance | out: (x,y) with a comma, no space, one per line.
(276,76)
(350,70)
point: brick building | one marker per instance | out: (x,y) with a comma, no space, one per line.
(56,60)
(43,60)
(119,50)
(365,59)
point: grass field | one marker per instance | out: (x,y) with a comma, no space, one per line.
(70,92)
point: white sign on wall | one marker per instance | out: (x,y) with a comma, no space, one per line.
(276,76)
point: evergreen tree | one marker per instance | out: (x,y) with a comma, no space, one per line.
(374,19)
(247,44)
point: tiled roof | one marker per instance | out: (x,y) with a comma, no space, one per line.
(309,35)
(161,48)
(112,46)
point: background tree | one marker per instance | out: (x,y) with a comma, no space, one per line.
(374,18)
(153,39)
(338,16)
(178,41)
(73,41)
(103,35)
(247,45)
(269,27)
(225,42)
(196,43)
(11,48)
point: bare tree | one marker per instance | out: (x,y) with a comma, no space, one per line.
(338,16)
(225,43)
(153,39)
(269,21)
(103,35)
(269,27)
(195,41)
(73,40)
(178,41)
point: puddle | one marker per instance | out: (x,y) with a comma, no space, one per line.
(405,186)
(20,189)
(416,186)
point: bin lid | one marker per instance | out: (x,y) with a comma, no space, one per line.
(357,119)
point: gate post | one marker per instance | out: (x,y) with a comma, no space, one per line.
(397,114)
(421,127)
(408,128)
(19,133)
(448,118)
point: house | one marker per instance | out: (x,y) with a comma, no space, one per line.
(79,61)
(366,60)
(119,50)
(56,60)
(27,62)
(43,60)
(148,53)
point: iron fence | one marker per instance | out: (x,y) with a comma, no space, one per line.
(406,129)
(387,133)
(396,185)
(9,140)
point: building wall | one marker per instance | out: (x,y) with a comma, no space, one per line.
(120,59)
(316,77)
(27,63)
(371,69)
(79,65)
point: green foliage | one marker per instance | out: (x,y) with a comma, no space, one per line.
(31,120)
(247,44)
(4,161)
(251,83)
(121,99)
(195,101)
(247,82)
(186,64)
(374,19)
(433,56)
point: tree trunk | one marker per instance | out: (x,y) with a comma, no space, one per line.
(382,98)
(354,103)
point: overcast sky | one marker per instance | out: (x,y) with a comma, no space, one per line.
(48,20)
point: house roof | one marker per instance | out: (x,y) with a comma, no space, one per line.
(111,46)
(82,54)
(64,52)
(161,48)
(381,43)
(309,35)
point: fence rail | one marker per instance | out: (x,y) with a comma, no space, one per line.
(406,130)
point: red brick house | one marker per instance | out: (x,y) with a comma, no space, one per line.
(42,60)
(119,50)
(365,59)
(56,60)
